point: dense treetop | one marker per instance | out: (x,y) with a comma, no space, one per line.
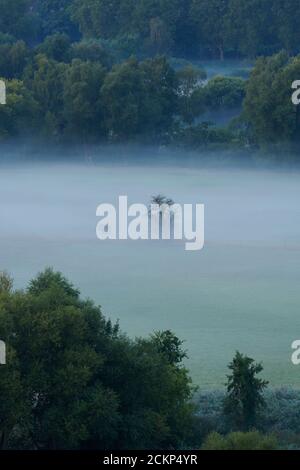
(181,27)
(94,71)
(74,381)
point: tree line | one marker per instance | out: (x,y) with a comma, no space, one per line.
(74,94)
(185,28)
(67,86)
(71,92)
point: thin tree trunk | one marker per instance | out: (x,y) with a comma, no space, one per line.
(3,440)
(221,50)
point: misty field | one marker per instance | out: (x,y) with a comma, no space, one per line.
(240,293)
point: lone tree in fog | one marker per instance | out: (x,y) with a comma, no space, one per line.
(245,390)
(160,200)
(164,204)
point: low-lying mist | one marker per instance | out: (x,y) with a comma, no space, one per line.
(240,292)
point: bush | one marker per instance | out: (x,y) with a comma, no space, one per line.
(240,441)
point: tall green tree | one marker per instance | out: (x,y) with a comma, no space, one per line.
(156,22)
(45,79)
(122,97)
(190,83)
(160,102)
(139,98)
(83,110)
(209,17)
(244,397)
